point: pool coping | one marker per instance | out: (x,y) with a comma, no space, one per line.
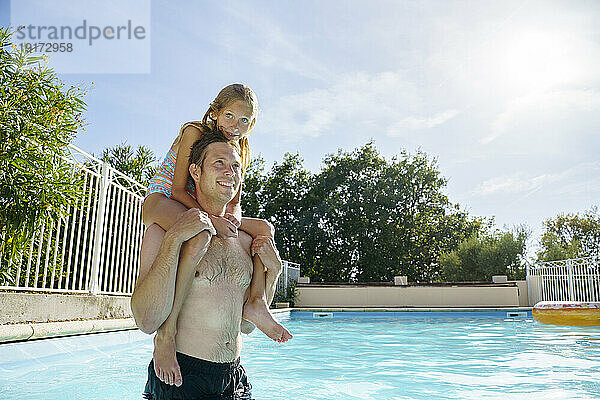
(10,333)
(45,330)
(413,309)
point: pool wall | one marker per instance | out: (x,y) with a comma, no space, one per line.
(512,294)
(31,331)
(26,316)
(47,307)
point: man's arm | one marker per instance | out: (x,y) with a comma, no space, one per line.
(152,298)
(154,291)
(265,254)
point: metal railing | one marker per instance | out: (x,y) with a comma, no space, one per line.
(95,249)
(565,280)
(290,273)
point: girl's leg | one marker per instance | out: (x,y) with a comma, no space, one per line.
(256,308)
(163,211)
(257,227)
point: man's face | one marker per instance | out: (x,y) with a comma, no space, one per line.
(220,175)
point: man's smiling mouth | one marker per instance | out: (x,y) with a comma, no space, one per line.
(226,184)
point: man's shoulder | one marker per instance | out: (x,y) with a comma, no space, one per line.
(245,240)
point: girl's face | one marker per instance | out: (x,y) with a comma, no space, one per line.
(235,120)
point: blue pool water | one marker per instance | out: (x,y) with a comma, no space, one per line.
(387,355)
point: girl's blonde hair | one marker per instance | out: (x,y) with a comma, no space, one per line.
(227,95)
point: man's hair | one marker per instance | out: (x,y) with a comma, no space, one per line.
(208,137)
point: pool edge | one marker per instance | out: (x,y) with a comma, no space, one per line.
(45,330)
(412,309)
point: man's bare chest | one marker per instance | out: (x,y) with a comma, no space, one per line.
(225,262)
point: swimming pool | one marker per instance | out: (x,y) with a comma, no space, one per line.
(386,355)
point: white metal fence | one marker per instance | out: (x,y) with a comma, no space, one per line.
(290,273)
(95,249)
(565,280)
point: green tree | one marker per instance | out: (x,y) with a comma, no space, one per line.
(252,186)
(39,116)
(137,165)
(282,196)
(360,218)
(340,224)
(571,236)
(278,196)
(374,219)
(287,294)
(481,256)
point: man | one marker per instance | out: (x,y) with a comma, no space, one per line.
(208,338)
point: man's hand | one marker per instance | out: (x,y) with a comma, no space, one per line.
(246,326)
(226,226)
(192,222)
(264,247)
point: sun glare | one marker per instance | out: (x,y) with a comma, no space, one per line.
(538,60)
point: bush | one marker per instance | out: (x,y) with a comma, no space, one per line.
(289,294)
(481,257)
(38,118)
(138,164)
(571,236)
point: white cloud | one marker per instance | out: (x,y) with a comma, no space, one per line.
(579,179)
(384,102)
(279,48)
(516,183)
(414,123)
(546,112)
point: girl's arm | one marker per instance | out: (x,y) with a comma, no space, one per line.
(180,178)
(190,135)
(255,227)
(233,207)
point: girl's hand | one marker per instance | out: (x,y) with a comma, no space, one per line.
(233,220)
(225,228)
(264,246)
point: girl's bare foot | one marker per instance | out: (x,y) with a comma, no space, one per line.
(257,312)
(166,366)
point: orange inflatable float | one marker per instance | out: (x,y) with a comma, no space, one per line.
(573,313)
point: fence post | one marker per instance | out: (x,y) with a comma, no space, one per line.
(285,276)
(99,230)
(528,280)
(570,280)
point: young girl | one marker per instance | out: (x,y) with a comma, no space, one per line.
(171,192)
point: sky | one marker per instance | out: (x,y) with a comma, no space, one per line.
(504,95)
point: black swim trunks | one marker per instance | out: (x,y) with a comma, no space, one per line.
(202,380)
